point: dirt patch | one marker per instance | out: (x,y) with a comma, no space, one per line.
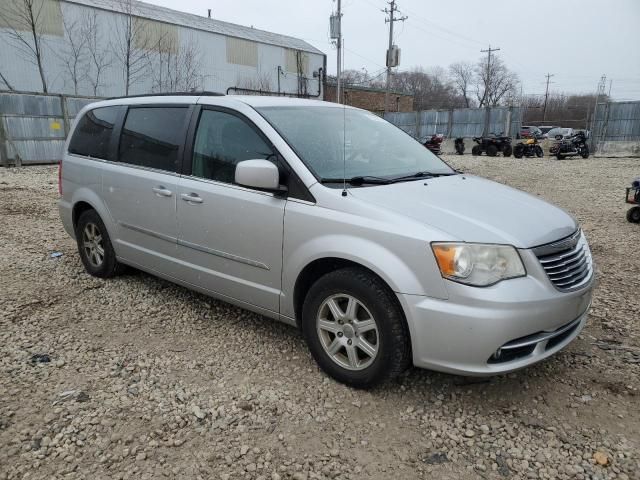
(146,379)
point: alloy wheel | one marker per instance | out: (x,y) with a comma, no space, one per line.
(92,244)
(347,331)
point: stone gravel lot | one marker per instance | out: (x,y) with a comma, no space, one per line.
(137,378)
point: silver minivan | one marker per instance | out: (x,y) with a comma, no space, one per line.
(333,220)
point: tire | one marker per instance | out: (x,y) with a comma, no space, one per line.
(559,156)
(518,152)
(90,230)
(585,152)
(375,301)
(633,215)
(476,150)
(492,150)
(539,151)
(507,150)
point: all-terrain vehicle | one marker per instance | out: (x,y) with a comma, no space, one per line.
(633,197)
(434,143)
(528,148)
(492,145)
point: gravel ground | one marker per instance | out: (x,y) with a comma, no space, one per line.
(137,378)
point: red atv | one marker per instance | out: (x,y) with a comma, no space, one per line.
(633,197)
(435,143)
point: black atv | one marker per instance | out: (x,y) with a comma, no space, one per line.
(492,145)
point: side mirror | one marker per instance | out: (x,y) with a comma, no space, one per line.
(260,174)
(559,137)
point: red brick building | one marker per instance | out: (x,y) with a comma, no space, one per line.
(368,98)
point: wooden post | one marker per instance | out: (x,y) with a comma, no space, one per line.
(65,115)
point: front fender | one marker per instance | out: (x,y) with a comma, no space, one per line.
(396,271)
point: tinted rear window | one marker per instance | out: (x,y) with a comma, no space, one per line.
(152,136)
(92,135)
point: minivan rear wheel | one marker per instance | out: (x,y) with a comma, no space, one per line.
(94,246)
(355,328)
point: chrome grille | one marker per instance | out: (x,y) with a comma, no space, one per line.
(567,262)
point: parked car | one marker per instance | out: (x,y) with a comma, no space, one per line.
(565,132)
(380,252)
(545,130)
(529,132)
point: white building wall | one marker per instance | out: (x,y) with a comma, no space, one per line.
(216,73)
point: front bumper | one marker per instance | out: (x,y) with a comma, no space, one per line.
(497,329)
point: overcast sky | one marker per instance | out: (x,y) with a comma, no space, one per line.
(576,40)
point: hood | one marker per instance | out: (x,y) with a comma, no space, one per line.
(473,209)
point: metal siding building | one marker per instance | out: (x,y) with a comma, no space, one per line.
(229,55)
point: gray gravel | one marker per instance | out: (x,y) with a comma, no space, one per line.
(145,379)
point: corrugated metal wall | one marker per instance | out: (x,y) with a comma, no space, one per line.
(617,121)
(33,127)
(459,122)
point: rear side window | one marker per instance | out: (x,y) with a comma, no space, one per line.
(152,137)
(92,135)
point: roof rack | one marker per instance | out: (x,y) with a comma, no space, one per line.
(174,94)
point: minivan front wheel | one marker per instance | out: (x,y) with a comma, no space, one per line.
(355,328)
(94,246)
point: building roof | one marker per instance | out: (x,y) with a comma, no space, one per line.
(175,17)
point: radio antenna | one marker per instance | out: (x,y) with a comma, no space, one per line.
(344,137)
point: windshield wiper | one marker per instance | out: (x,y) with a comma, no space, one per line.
(418,175)
(359,180)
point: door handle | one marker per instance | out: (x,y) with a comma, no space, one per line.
(191,198)
(162,191)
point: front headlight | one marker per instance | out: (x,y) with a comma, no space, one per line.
(477,264)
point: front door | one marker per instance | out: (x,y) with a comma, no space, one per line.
(230,237)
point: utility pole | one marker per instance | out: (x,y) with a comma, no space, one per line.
(335,22)
(392,60)
(546,96)
(602,84)
(487,86)
(488,80)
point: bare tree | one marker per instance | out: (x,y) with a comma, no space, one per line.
(493,82)
(74,54)
(462,75)
(261,82)
(23,20)
(176,67)
(132,45)
(566,110)
(99,57)
(5,81)
(429,89)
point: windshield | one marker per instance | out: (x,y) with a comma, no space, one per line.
(372,147)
